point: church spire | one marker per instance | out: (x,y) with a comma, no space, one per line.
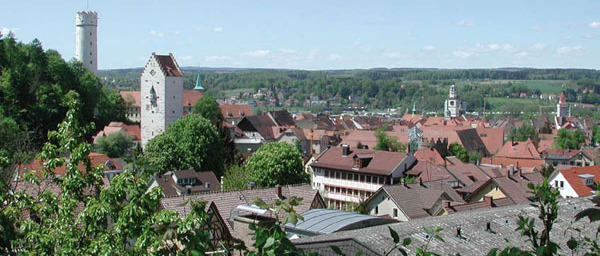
(199,83)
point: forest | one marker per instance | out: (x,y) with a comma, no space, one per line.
(387,88)
(34,88)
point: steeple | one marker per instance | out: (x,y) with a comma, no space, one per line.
(413,109)
(199,83)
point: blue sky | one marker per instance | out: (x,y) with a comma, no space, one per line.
(323,34)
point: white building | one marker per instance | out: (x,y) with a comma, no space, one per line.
(452,106)
(576,182)
(86,39)
(347,176)
(161,94)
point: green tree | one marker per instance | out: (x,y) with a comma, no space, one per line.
(595,135)
(566,139)
(208,108)
(388,143)
(474,156)
(115,144)
(276,163)
(524,132)
(190,142)
(111,108)
(122,219)
(236,177)
(458,151)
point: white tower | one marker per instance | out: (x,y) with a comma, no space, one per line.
(451,106)
(161,93)
(86,39)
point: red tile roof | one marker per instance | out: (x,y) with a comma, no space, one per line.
(131,97)
(430,155)
(190,97)
(383,162)
(519,149)
(504,161)
(168,65)
(131,130)
(235,111)
(428,172)
(493,138)
(95,159)
(171,188)
(572,176)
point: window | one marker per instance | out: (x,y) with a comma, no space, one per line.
(376,210)
(357,162)
(362,178)
(368,179)
(562,184)
(207,185)
(395,213)
(556,183)
(337,175)
(355,177)
(343,175)
(327,174)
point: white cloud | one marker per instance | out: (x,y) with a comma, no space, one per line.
(509,48)
(538,47)
(156,34)
(493,47)
(313,54)
(177,32)
(333,56)
(218,29)
(5,31)
(289,51)
(258,53)
(568,49)
(216,58)
(463,54)
(392,54)
(186,57)
(522,54)
(428,48)
(465,23)
(595,24)
(356,43)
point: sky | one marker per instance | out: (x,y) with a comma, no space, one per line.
(322,34)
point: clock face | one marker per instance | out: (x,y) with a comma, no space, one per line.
(152,72)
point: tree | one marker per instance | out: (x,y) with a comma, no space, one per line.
(111,108)
(595,135)
(458,151)
(276,163)
(474,156)
(387,143)
(190,142)
(236,177)
(208,108)
(566,139)
(122,219)
(115,144)
(524,132)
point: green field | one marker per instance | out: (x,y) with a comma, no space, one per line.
(518,105)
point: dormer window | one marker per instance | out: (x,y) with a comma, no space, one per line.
(357,162)
(588,179)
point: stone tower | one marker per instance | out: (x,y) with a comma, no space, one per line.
(562,108)
(86,39)
(161,93)
(452,105)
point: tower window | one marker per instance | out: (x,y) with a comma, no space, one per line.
(90,33)
(90,43)
(90,62)
(90,53)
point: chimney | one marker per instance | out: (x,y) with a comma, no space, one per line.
(345,150)
(222,183)
(278,191)
(458,232)
(488,227)
(251,185)
(511,170)
(520,172)
(489,200)
(421,182)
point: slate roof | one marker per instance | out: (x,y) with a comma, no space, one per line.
(572,176)
(475,239)
(282,117)
(383,162)
(413,200)
(226,201)
(171,188)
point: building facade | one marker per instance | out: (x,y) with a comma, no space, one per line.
(161,95)
(86,39)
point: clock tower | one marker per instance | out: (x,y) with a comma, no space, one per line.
(452,106)
(161,93)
